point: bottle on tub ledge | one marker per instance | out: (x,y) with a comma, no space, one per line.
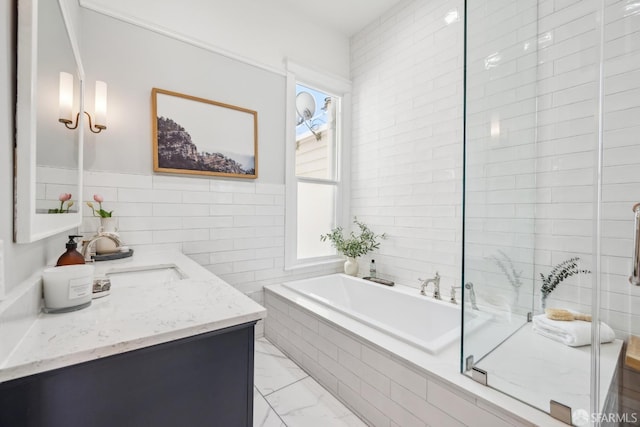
(373,275)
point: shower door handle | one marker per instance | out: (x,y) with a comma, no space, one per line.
(635,275)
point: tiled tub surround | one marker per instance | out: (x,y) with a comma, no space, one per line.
(133,316)
(391,383)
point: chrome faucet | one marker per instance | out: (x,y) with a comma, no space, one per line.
(472,295)
(86,245)
(452,294)
(436,286)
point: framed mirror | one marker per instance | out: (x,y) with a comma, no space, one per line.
(48,156)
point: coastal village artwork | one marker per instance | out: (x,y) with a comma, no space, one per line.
(193,135)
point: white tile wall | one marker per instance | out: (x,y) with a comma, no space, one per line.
(530,182)
(532,146)
(407,139)
(18,312)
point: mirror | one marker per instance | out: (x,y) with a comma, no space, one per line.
(48,162)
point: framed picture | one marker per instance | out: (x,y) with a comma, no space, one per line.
(198,136)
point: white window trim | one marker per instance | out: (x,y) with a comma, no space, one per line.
(337,86)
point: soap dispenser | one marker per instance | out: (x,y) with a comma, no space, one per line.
(71,256)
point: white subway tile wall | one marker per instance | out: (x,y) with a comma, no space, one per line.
(621,181)
(532,152)
(407,74)
(532,105)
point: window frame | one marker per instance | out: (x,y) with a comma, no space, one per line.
(335,86)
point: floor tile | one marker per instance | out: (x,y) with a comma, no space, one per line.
(273,370)
(306,404)
(263,414)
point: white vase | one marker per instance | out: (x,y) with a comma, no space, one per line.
(351,266)
(107,246)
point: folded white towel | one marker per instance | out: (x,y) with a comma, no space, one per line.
(572,333)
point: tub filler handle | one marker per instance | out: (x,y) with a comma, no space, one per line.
(436,286)
(452,293)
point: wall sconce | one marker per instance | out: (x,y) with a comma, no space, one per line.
(305,109)
(66,105)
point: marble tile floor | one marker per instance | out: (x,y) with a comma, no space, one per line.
(285,396)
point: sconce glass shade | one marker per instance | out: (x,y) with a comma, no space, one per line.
(305,105)
(66,98)
(100,113)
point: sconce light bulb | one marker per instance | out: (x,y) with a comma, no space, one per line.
(101,105)
(66,97)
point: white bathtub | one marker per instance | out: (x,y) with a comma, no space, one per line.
(398,311)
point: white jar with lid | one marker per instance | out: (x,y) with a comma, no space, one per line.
(67,288)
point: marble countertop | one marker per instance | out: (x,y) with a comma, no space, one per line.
(138,313)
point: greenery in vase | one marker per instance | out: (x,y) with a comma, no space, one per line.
(560,272)
(354,245)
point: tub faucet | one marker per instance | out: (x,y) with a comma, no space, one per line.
(86,245)
(436,286)
(472,295)
(452,299)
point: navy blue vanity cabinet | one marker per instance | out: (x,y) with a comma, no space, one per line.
(204,380)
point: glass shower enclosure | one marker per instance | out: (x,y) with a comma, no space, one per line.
(552,156)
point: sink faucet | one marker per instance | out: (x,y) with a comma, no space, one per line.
(472,295)
(86,245)
(436,286)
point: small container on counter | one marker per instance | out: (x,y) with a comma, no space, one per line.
(67,288)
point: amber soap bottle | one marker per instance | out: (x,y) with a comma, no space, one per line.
(71,256)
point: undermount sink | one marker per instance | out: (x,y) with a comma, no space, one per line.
(161,273)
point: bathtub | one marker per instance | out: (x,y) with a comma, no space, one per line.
(399,311)
(388,353)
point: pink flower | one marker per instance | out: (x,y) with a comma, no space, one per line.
(100,212)
(63,197)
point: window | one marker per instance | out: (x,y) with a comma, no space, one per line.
(316,196)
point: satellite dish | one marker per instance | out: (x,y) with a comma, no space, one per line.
(305,105)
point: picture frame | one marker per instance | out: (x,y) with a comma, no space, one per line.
(198,136)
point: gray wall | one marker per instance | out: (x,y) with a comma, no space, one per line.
(133,60)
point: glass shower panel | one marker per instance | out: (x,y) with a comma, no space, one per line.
(532,192)
(500,182)
(619,299)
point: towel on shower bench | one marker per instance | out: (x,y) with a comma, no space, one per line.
(574,333)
